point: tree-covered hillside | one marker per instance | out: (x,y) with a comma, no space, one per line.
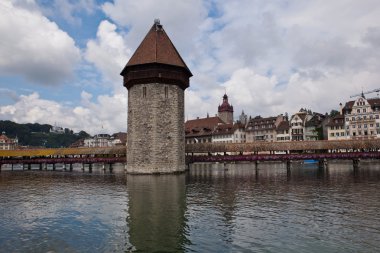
(37,135)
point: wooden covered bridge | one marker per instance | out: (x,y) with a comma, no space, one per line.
(206,152)
(322,151)
(65,156)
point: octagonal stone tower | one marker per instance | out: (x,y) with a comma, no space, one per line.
(156,78)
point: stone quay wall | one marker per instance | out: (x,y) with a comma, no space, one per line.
(156,135)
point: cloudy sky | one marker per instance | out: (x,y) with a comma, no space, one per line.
(60,59)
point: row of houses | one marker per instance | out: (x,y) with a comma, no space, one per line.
(102,140)
(358,119)
(99,140)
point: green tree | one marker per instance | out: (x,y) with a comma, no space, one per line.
(333,113)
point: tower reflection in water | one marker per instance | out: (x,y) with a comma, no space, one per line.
(157,206)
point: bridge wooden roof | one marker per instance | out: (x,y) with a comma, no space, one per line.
(260,146)
(62,151)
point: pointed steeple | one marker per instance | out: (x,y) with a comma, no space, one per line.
(157,60)
(225,106)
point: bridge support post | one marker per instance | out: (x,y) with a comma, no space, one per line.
(323,164)
(90,167)
(29,166)
(356,164)
(288,166)
(111,168)
(53,166)
(71,167)
(12,167)
(40,166)
(64,166)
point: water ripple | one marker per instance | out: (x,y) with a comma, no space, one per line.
(213,208)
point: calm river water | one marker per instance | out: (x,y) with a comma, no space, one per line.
(211,208)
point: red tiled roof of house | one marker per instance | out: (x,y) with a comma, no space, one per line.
(78,143)
(156,47)
(6,139)
(372,101)
(337,120)
(224,129)
(201,127)
(210,122)
(284,125)
(302,116)
(121,136)
(315,120)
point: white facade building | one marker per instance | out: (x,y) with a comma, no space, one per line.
(362,119)
(57,130)
(282,131)
(98,141)
(336,128)
(7,143)
(223,133)
(297,125)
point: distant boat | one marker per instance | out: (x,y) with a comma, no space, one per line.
(310,161)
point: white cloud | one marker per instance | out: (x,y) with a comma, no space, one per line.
(271,56)
(280,56)
(108,52)
(107,114)
(34,47)
(70,10)
(181,19)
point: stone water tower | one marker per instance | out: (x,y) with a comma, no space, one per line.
(156,78)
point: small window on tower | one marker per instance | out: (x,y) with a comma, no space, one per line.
(144,92)
(166,92)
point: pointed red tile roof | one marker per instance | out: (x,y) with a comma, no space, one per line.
(156,60)
(156,47)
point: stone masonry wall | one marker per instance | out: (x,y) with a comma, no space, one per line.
(227,117)
(156,137)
